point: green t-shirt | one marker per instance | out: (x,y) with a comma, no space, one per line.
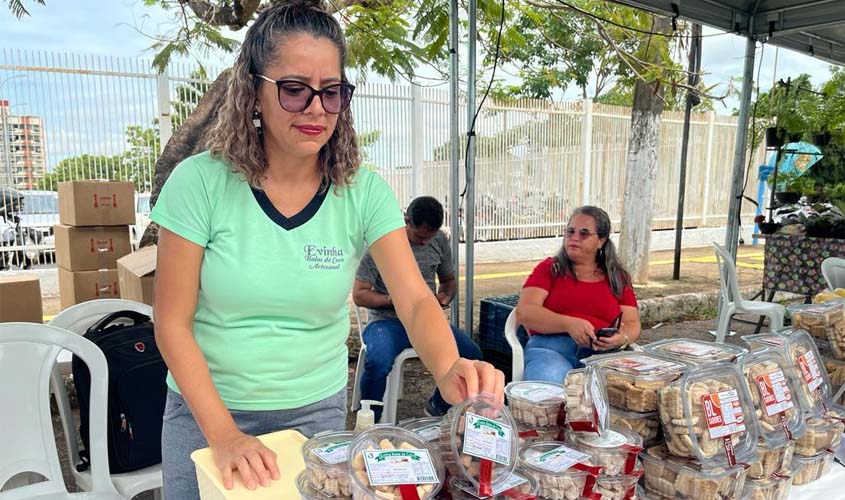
(272,317)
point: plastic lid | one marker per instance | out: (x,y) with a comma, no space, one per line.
(612,439)
(484,434)
(773,393)
(536,392)
(305,489)
(637,365)
(427,427)
(389,456)
(711,410)
(519,483)
(695,351)
(813,387)
(328,449)
(553,458)
(816,310)
(587,407)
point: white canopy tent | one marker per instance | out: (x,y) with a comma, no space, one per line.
(813,27)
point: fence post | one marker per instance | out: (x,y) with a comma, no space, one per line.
(417,136)
(165,123)
(708,163)
(587,150)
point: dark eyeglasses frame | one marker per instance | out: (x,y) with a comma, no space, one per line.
(583,232)
(314,92)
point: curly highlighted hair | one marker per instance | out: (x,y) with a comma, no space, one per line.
(234,138)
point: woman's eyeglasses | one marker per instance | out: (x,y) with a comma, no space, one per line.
(295,96)
(583,232)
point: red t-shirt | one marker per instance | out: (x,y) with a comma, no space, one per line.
(593,302)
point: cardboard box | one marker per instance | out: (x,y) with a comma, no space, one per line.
(82,286)
(136,275)
(96,203)
(90,248)
(20,299)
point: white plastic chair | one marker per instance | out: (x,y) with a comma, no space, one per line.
(28,354)
(732,301)
(78,319)
(833,270)
(395,379)
(518,362)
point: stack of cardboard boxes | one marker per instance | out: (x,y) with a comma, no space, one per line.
(93,233)
(20,298)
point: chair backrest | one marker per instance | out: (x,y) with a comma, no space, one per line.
(833,270)
(518,364)
(727,275)
(79,318)
(361,319)
(27,443)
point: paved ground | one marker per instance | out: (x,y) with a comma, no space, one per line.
(698,274)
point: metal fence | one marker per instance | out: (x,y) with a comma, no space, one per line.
(106,117)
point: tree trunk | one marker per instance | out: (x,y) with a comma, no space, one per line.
(643,154)
(189,139)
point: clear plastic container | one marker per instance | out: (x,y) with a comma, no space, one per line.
(427,428)
(633,379)
(616,451)
(695,352)
(537,404)
(771,459)
(617,487)
(586,401)
(670,477)
(647,425)
(772,389)
(518,484)
(562,473)
(835,367)
(808,469)
(528,435)
(821,434)
(812,382)
(306,491)
(326,469)
(482,441)
(823,321)
(774,487)
(380,459)
(706,410)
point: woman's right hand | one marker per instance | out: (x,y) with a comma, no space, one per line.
(581,331)
(247,454)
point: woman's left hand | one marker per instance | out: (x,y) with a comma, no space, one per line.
(468,378)
(607,343)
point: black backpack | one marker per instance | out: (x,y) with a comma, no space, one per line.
(137,391)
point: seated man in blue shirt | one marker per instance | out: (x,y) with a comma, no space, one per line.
(384,336)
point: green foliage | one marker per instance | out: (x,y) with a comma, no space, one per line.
(19,10)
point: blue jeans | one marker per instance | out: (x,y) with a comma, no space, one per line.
(550,357)
(385,339)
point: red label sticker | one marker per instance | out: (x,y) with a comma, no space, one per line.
(723,412)
(810,370)
(408,492)
(774,393)
(140,347)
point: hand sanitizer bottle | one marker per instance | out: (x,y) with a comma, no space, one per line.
(365,418)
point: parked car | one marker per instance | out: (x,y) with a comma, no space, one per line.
(17,246)
(40,213)
(142,217)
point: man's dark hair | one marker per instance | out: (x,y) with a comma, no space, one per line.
(426,211)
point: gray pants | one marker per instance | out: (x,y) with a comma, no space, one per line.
(181,435)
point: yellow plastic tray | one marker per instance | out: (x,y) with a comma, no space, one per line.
(286,444)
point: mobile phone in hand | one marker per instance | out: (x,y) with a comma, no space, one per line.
(611,330)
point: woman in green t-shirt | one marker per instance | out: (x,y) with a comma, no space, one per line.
(259,241)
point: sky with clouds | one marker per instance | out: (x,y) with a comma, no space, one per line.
(122,28)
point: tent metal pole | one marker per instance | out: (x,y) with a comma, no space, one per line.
(469,213)
(454,152)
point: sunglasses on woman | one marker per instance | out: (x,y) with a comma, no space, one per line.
(583,232)
(295,96)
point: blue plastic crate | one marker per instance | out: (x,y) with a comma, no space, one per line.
(493,314)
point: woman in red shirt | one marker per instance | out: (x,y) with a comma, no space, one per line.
(569,297)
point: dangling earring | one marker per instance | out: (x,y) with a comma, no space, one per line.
(256,121)
(600,255)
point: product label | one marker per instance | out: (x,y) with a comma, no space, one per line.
(334,454)
(693,349)
(775,341)
(723,412)
(558,459)
(485,438)
(774,393)
(642,364)
(598,401)
(538,393)
(429,432)
(612,439)
(511,482)
(394,467)
(810,370)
